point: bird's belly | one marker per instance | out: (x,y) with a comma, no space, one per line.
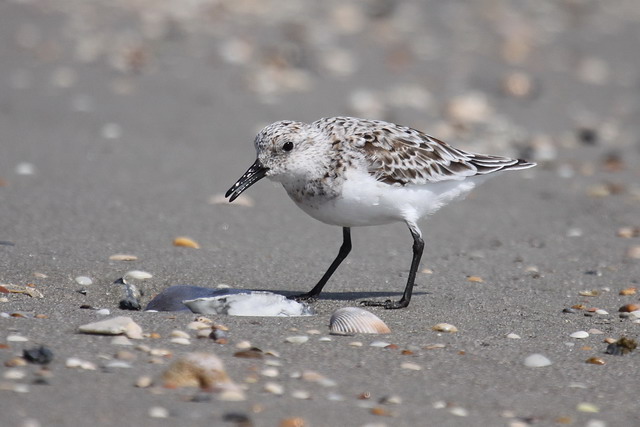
(364,203)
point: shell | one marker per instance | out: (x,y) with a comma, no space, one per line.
(204,370)
(354,320)
(444,327)
(186,242)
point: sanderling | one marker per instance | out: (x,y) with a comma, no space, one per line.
(353,172)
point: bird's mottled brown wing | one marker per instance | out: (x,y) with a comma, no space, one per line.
(401,155)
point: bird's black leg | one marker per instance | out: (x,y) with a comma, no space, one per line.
(418,247)
(342,254)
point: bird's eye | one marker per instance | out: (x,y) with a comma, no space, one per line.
(288,146)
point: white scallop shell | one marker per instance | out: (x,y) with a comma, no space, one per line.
(354,320)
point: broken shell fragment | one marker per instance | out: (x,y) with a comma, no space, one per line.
(123,257)
(444,327)
(204,370)
(186,242)
(354,320)
(114,326)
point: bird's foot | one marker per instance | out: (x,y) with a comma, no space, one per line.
(308,297)
(388,304)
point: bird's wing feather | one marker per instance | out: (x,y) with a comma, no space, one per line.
(401,155)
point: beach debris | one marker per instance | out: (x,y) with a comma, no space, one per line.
(633,252)
(580,334)
(537,361)
(628,291)
(237,302)
(158,412)
(199,369)
(628,232)
(186,242)
(355,320)
(273,388)
(114,326)
(628,308)
(74,362)
(123,257)
(9,288)
(297,339)
(596,360)
(137,275)
(84,280)
(38,355)
(444,327)
(622,346)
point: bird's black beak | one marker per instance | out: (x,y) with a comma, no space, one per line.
(254,174)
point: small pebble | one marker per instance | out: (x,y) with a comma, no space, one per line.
(292,422)
(196,326)
(580,334)
(118,364)
(176,333)
(144,381)
(411,366)
(21,388)
(458,411)
(634,252)
(325,339)
(602,312)
(589,293)
(123,257)
(186,242)
(444,327)
(243,345)
(14,374)
(596,361)
(15,361)
(391,400)
(84,280)
(39,355)
(439,404)
(103,312)
(270,372)
(137,275)
(536,361)
(594,331)
(379,344)
(355,344)
(627,308)
(274,388)
(74,362)
(25,168)
(628,291)
(513,336)
(297,339)
(587,407)
(301,394)
(114,326)
(158,412)
(180,340)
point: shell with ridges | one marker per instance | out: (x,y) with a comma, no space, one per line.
(354,320)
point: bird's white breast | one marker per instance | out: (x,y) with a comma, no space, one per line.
(362,201)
